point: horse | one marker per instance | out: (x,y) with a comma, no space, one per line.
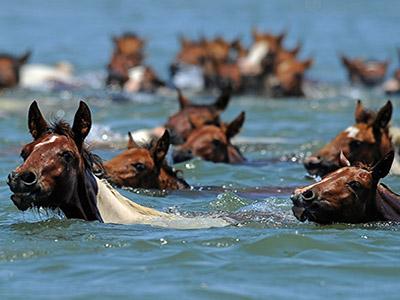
(351,194)
(368,73)
(288,77)
(367,141)
(126,68)
(10,66)
(212,143)
(181,123)
(57,174)
(144,167)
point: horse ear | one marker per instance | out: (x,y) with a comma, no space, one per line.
(359,114)
(82,124)
(346,61)
(223,100)
(384,116)
(183,101)
(234,127)
(382,167)
(343,161)
(160,150)
(281,36)
(308,63)
(25,57)
(296,49)
(131,142)
(36,123)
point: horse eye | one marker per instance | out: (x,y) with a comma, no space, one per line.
(355,185)
(356,143)
(139,167)
(67,156)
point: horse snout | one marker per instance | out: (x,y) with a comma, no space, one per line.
(181,155)
(22,182)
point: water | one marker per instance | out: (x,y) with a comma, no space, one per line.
(44,257)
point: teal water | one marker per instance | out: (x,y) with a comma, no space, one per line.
(275,257)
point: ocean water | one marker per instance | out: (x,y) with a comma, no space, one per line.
(274,257)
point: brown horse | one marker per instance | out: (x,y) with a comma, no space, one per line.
(288,77)
(367,141)
(126,68)
(368,73)
(144,167)
(212,143)
(181,123)
(57,173)
(10,69)
(351,194)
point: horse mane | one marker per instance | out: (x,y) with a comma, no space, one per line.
(92,161)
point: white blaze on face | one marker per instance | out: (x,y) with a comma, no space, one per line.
(45,142)
(352,132)
(252,62)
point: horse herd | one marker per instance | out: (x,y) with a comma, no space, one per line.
(265,67)
(59,172)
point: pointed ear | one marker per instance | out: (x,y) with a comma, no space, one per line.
(281,37)
(308,63)
(160,149)
(382,167)
(131,142)
(343,161)
(345,60)
(296,49)
(384,116)
(183,101)
(234,127)
(223,100)
(82,124)
(24,57)
(359,114)
(36,123)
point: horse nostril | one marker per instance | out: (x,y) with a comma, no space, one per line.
(28,178)
(308,195)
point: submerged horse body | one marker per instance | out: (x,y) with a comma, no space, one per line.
(57,173)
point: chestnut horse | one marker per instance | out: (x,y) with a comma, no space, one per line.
(367,141)
(368,73)
(57,173)
(144,167)
(126,68)
(181,123)
(212,143)
(351,194)
(10,69)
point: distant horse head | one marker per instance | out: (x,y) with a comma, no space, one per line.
(367,141)
(262,54)
(350,194)
(9,69)
(212,143)
(181,123)
(129,44)
(369,73)
(288,78)
(57,168)
(144,167)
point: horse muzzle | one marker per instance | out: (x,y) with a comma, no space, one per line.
(181,155)
(301,204)
(25,189)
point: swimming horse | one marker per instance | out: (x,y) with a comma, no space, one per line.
(57,173)
(351,194)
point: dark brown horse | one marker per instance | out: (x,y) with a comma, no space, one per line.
(368,73)
(212,143)
(181,123)
(351,194)
(57,173)
(126,68)
(10,68)
(144,167)
(367,141)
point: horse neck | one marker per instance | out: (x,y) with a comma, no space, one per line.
(82,205)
